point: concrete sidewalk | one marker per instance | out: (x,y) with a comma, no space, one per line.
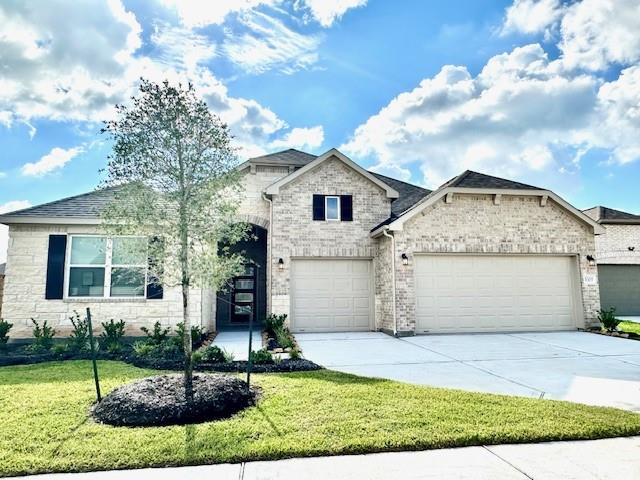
(616,459)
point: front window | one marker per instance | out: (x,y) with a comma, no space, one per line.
(107,266)
(332,208)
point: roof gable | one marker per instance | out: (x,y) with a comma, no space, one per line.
(611,215)
(274,188)
(471,179)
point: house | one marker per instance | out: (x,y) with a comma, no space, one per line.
(618,255)
(337,248)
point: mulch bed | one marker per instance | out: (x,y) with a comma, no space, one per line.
(161,400)
(629,335)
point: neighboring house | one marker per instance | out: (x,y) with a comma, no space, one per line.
(618,257)
(338,248)
(2,267)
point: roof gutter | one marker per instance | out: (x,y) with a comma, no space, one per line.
(386,233)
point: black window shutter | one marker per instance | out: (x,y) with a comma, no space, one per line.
(346,208)
(154,287)
(318,207)
(54,289)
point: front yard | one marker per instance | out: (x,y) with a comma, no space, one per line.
(629,327)
(45,427)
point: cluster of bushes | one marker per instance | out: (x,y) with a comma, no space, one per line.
(608,320)
(279,336)
(159,343)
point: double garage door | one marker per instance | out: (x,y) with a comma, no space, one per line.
(476,293)
(331,295)
(454,293)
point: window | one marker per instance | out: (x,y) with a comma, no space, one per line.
(107,267)
(332,208)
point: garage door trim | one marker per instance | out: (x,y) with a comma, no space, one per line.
(369,259)
(577,315)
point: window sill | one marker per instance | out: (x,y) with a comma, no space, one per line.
(103,300)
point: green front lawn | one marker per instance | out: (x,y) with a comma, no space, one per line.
(44,422)
(629,327)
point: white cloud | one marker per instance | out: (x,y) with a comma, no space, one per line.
(326,12)
(4,231)
(56,159)
(301,138)
(591,34)
(520,115)
(596,33)
(196,13)
(531,16)
(268,44)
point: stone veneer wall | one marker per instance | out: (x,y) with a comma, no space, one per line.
(612,246)
(25,286)
(473,224)
(295,234)
(384,285)
(1,292)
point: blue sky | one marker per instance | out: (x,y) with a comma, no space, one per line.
(540,91)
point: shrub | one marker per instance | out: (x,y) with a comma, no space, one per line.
(214,354)
(196,357)
(4,333)
(608,319)
(283,337)
(111,337)
(59,349)
(262,357)
(166,349)
(158,335)
(42,337)
(79,338)
(273,323)
(197,335)
(295,354)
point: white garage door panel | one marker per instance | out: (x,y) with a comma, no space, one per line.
(466,293)
(331,295)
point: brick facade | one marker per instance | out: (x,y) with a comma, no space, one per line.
(25,285)
(613,246)
(296,234)
(474,224)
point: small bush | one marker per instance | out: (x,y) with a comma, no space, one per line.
(4,333)
(214,354)
(111,337)
(608,319)
(295,354)
(166,350)
(42,337)
(284,338)
(197,335)
(158,335)
(59,349)
(196,357)
(79,339)
(273,323)
(262,357)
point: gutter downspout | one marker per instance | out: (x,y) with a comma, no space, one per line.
(270,253)
(386,233)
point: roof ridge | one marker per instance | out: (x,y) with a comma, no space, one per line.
(400,181)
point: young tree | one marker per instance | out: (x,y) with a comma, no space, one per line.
(173,181)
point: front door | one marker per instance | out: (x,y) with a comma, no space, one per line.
(243,296)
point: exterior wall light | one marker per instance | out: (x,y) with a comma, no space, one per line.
(591,260)
(631,249)
(280,264)
(405,259)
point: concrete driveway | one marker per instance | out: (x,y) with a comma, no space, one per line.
(575,366)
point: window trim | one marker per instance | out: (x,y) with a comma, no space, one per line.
(326,209)
(108,267)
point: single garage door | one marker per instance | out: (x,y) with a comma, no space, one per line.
(486,293)
(331,295)
(620,288)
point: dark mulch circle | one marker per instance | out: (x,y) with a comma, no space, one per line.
(160,400)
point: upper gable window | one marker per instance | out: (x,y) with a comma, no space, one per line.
(332,208)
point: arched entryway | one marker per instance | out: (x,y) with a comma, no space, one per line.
(245,296)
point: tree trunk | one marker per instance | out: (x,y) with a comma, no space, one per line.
(184,262)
